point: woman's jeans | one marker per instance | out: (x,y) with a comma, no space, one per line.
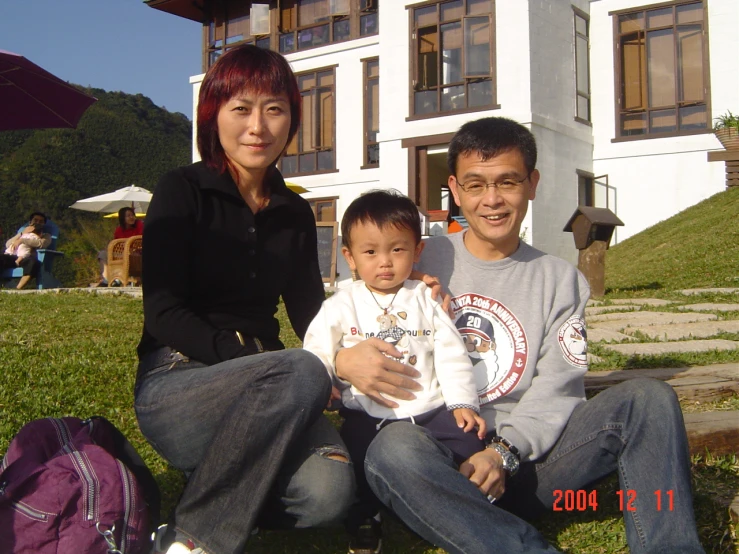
(635,429)
(252,433)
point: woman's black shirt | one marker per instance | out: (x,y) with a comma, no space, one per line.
(211,266)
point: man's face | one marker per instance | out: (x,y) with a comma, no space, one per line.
(494,218)
(37,220)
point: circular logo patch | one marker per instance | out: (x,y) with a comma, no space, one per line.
(573,340)
(495,341)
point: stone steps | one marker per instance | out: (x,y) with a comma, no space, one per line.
(714,431)
(718,431)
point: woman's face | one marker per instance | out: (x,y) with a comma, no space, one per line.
(130,218)
(253,129)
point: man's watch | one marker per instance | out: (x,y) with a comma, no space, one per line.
(508,452)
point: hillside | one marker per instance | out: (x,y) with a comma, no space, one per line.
(122,139)
(698,247)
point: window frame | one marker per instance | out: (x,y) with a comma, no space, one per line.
(332,200)
(333,169)
(413,65)
(221,7)
(618,68)
(578,93)
(366,143)
(585,187)
(218,10)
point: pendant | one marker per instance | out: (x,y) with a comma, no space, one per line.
(385,321)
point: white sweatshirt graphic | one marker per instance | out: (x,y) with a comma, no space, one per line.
(417,326)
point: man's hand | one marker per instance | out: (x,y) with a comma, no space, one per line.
(467,419)
(437,292)
(485,470)
(366,367)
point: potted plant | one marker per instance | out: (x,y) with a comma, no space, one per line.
(726,129)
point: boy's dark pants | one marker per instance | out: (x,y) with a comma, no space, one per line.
(359,430)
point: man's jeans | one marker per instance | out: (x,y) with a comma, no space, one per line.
(252,433)
(635,429)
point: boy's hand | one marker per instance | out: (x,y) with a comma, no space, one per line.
(335,396)
(467,419)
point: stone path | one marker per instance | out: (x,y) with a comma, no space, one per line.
(689,329)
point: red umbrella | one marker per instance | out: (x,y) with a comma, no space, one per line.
(33,98)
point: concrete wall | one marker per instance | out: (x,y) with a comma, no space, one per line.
(653,179)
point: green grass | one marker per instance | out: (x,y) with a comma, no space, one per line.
(698,247)
(74,354)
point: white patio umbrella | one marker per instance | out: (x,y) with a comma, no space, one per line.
(128,197)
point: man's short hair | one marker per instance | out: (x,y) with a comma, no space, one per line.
(383,208)
(489,137)
(30,217)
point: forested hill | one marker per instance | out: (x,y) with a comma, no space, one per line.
(122,139)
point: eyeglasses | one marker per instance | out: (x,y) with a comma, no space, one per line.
(476,187)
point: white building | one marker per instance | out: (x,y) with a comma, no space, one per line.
(620,95)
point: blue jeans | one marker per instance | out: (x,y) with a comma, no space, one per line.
(252,434)
(635,429)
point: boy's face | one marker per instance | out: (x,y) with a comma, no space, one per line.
(494,218)
(383,258)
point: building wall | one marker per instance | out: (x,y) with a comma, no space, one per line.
(648,180)
(565,145)
(653,179)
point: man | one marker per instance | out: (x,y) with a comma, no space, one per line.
(33,237)
(547,441)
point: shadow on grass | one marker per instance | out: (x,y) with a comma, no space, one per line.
(654,285)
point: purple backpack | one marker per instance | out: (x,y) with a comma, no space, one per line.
(71,486)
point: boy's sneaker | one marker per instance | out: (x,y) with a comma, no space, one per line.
(367,539)
(182,548)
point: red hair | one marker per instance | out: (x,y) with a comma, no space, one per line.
(247,67)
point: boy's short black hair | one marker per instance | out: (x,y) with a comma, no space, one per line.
(489,137)
(383,208)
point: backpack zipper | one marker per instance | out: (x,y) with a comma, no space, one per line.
(30,512)
(128,503)
(84,470)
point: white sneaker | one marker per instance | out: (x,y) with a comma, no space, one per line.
(180,548)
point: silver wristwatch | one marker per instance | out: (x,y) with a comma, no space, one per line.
(511,462)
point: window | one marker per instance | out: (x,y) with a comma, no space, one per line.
(312,150)
(371,112)
(229,27)
(582,66)
(324,209)
(310,23)
(585,189)
(663,71)
(453,57)
(287,25)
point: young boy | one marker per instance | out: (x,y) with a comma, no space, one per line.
(381,235)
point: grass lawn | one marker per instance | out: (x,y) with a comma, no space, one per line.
(74,354)
(697,247)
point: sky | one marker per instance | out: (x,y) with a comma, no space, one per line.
(116,45)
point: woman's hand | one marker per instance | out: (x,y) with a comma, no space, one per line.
(368,368)
(485,470)
(437,292)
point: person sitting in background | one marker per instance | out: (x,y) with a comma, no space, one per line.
(23,247)
(128,226)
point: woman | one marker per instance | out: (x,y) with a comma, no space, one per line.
(216,393)
(128,226)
